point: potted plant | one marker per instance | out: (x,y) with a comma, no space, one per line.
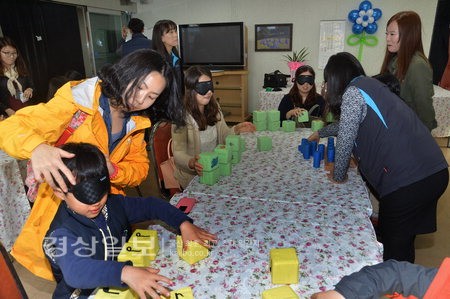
(296,60)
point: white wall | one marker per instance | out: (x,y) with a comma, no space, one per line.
(102,4)
(304,14)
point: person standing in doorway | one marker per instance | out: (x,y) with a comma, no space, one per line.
(138,39)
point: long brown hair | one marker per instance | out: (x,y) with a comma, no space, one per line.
(410,39)
(20,62)
(211,115)
(295,93)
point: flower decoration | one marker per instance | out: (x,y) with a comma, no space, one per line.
(364,22)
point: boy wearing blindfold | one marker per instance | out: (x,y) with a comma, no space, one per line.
(91,226)
(205,125)
(302,96)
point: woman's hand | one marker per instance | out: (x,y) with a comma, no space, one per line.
(124,32)
(144,280)
(193,164)
(244,127)
(109,164)
(314,137)
(191,232)
(294,112)
(353,162)
(327,295)
(9,111)
(28,93)
(46,161)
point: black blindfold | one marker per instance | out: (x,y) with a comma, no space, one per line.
(302,79)
(203,87)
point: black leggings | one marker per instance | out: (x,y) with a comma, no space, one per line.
(409,211)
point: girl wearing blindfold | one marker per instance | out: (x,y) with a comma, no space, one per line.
(302,96)
(205,125)
(92,225)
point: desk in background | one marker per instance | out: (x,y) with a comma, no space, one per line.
(441,101)
(14,206)
(274,199)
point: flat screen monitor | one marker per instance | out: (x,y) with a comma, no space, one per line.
(218,45)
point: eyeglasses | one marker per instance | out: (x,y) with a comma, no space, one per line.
(9,53)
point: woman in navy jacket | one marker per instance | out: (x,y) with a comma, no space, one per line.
(394,149)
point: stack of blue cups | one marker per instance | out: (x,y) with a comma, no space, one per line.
(330,149)
(311,148)
(304,148)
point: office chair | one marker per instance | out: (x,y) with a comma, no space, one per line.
(159,137)
(12,287)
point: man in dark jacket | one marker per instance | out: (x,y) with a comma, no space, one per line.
(137,41)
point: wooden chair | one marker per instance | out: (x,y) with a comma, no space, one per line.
(11,286)
(160,134)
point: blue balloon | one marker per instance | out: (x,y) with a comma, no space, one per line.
(365,5)
(376,13)
(371,28)
(357,28)
(353,15)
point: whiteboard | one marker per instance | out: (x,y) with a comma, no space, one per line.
(331,41)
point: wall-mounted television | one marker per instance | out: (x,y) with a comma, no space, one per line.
(218,45)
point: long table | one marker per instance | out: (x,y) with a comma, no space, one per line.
(14,206)
(274,199)
(269,100)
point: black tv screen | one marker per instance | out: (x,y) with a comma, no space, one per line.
(219,45)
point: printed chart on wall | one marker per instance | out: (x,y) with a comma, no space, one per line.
(332,40)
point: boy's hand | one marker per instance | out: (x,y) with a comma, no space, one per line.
(191,232)
(144,280)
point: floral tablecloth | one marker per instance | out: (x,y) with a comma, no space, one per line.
(14,206)
(269,100)
(441,103)
(274,199)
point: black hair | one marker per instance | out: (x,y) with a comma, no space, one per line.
(340,70)
(295,92)
(391,82)
(133,69)
(20,61)
(159,29)
(210,116)
(136,25)
(90,171)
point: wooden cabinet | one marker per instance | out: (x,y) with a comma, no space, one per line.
(231,91)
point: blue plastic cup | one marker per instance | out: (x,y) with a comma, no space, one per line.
(312,147)
(321,149)
(330,155)
(306,152)
(316,159)
(330,142)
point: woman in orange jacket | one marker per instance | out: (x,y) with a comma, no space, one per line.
(115,105)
